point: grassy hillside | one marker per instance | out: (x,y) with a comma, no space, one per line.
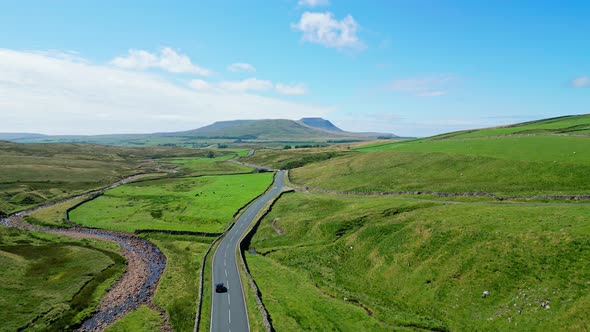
(293,158)
(578,125)
(31,174)
(385,263)
(474,161)
(203,204)
(263,130)
(50,282)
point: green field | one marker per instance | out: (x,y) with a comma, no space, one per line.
(31,174)
(51,282)
(288,159)
(209,166)
(205,204)
(178,288)
(567,125)
(532,165)
(423,265)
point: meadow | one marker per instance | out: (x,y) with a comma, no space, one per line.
(397,263)
(209,166)
(204,204)
(32,174)
(293,158)
(52,283)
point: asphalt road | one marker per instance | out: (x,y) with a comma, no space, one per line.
(228,310)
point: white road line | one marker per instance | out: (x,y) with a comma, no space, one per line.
(226,273)
(224,262)
(228,299)
(229,316)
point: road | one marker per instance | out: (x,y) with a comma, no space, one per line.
(228,310)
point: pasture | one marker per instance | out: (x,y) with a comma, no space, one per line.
(204,204)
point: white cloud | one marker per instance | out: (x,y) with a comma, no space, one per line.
(250,84)
(45,94)
(324,29)
(423,87)
(313,3)
(581,82)
(241,68)
(167,60)
(295,89)
(199,84)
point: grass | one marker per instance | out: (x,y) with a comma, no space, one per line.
(53,216)
(177,290)
(563,149)
(440,172)
(568,125)
(296,304)
(423,264)
(205,319)
(52,283)
(142,319)
(31,174)
(208,166)
(288,159)
(204,204)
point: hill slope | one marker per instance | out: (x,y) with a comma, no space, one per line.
(546,163)
(320,123)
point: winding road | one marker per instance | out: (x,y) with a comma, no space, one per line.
(228,310)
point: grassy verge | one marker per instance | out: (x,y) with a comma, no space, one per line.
(203,204)
(142,319)
(425,264)
(254,317)
(177,290)
(51,282)
(205,322)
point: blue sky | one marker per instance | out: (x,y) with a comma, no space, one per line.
(413,68)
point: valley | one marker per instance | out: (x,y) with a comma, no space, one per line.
(476,230)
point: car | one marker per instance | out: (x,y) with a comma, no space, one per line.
(220,288)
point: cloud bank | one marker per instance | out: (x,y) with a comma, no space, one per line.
(57,95)
(167,60)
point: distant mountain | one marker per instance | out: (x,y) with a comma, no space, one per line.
(18,136)
(276,130)
(320,123)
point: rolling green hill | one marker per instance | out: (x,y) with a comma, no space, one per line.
(342,256)
(495,161)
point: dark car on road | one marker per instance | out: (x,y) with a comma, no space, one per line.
(220,288)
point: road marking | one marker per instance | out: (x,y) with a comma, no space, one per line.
(229,316)
(228,299)
(224,262)
(226,273)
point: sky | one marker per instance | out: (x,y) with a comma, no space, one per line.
(412,68)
